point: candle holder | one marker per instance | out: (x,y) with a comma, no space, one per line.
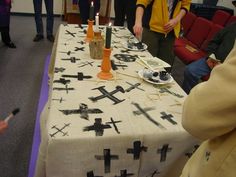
(105,73)
(90,32)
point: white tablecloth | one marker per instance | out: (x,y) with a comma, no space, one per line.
(126,136)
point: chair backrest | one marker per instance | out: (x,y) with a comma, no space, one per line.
(210,2)
(187,22)
(220,17)
(232,19)
(215,28)
(199,31)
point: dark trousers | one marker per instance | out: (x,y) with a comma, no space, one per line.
(38,16)
(125,8)
(159,45)
(84,6)
(194,72)
(5,34)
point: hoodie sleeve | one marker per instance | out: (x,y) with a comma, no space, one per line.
(210,109)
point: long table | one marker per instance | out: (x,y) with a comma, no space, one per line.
(116,128)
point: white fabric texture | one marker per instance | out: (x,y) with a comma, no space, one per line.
(70,150)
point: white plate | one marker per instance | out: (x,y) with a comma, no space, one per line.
(158,82)
(133,47)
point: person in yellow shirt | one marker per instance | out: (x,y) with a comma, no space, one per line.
(164,25)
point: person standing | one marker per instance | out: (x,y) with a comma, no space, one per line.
(125,9)
(220,46)
(164,26)
(209,114)
(5,7)
(38,20)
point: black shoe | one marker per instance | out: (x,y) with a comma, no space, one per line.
(38,37)
(50,38)
(10,45)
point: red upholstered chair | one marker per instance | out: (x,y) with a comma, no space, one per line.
(220,17)
(214,29)
(187,22)
(232,19)
(187,48)
(199,31)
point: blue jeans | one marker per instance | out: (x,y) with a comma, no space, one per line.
(38,16)
(193,73)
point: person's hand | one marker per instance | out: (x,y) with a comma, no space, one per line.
(170,25)
(212,62)
(138,30)
(3,126)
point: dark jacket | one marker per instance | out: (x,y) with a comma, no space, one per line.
(5,6)
(223,42)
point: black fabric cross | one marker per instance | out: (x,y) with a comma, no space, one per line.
(70,33)
(125,51)
(79,48)
(106,94)
(98,127)
(57,70)
(168,117)
(163,151)
(85,64)
(62,81)
(133,86)
(156,172)
(137,149)
(114,124)
(124,173)
(61,89)
(59,130)
(71,59)
(126,57)
(80,76)
(144,112)
(115,66)
(207,155)
(83,110)
(165,90)
(60,100)
(81,42)
(68,53)
(107,157)
(90,174)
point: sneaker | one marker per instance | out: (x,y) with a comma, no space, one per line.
(10,45)
(50,38)
(38,37)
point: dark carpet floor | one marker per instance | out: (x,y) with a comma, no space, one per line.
(21,72)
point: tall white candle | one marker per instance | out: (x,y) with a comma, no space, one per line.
(97,22)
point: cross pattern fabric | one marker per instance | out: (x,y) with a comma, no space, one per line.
(121,127)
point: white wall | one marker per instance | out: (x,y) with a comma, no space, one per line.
(227,3)
(26,6)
